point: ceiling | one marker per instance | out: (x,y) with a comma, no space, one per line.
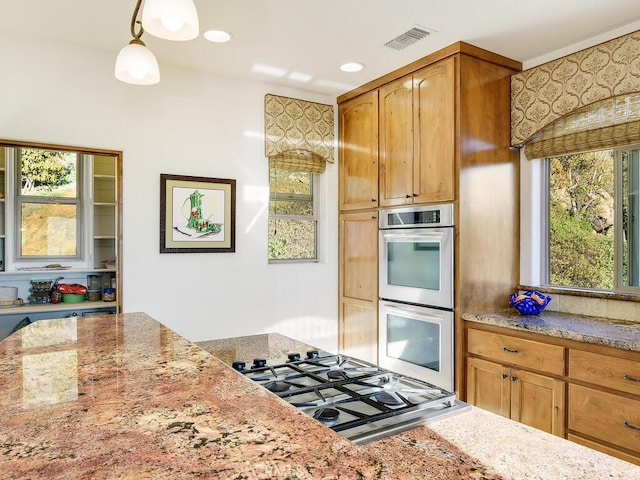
(316,37)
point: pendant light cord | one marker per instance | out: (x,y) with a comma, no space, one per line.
(136,36)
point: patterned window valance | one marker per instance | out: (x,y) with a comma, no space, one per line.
(605,124)
(297,130)
(547,92)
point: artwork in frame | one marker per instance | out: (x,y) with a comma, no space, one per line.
(197,214)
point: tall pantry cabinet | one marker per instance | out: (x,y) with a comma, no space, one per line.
(358,229)
(434,131)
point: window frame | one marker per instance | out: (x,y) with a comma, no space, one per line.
(13,202)
(315,189)
(618,239)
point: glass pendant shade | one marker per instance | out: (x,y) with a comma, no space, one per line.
(170,19)
(136,64)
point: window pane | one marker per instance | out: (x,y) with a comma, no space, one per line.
(48,173)
(292,239)
(48,229)
(581,220)
(302,206)
(285,181)
(631,218)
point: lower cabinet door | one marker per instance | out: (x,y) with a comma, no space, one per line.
(611,418)
(538,401)
(359,331)
(487,386)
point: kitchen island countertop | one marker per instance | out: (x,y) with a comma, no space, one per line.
(124,397)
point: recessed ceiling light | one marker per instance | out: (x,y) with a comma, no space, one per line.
(352,67)
(217,36)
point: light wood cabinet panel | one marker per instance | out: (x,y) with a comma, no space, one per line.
(605,416)
(359,331)
(529,398)
(517,351)
(434,133)
(358,284)
(538,401)
(358,164)
(417,137)
(358,240)
(486,386)
(605,370)
(396,143)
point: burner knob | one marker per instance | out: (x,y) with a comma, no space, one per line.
(239,366)
(259,363)
(313,354)
(293,357)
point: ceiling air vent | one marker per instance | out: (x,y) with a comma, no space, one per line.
(407,38)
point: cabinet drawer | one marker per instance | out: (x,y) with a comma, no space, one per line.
(605,416)
(517,351)
(604,370)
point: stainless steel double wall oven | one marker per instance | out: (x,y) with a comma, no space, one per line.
(416,292)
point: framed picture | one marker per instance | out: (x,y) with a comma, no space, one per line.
(197,214)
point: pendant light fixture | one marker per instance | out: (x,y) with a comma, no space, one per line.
(171,19)
(135,63)
(168,19)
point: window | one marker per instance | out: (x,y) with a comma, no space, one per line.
(292,215)
(48,204)
(593,225)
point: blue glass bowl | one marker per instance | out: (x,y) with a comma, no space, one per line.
(530,302)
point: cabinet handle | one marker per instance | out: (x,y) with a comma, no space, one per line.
(504,375)
(631,379)
(407,196)
(513,378)
(373,217)
(633,427)
(510,350)
(373,200)
(415,194)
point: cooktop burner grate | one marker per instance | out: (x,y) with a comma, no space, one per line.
(361,401)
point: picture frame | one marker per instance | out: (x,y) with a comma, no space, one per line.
(197,214)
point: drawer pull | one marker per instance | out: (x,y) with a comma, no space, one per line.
(631,379)
(510,350)
(633,427)
(514,378)
(504,375)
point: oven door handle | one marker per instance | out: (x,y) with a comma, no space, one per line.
(406,237)
(404,310)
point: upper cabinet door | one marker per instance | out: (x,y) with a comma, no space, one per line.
(359,152)
(396,143)
(434,132)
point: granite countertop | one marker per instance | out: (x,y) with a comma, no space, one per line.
(123,397)
(622,334)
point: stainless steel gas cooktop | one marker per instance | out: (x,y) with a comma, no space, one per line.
(357,399)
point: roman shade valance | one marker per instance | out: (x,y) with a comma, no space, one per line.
(577,102)
(605,124)
(298,161)
(299,135)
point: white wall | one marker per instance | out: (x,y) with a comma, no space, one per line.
(189,124)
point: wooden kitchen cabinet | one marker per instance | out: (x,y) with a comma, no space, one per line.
(358,284)
(417,136)
(358,175)
(495,383)
(604,401)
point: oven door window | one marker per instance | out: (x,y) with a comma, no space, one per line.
(414,341)
(414,264)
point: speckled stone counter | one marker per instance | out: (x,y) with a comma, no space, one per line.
(622,334)
(122,397)
(472,445)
